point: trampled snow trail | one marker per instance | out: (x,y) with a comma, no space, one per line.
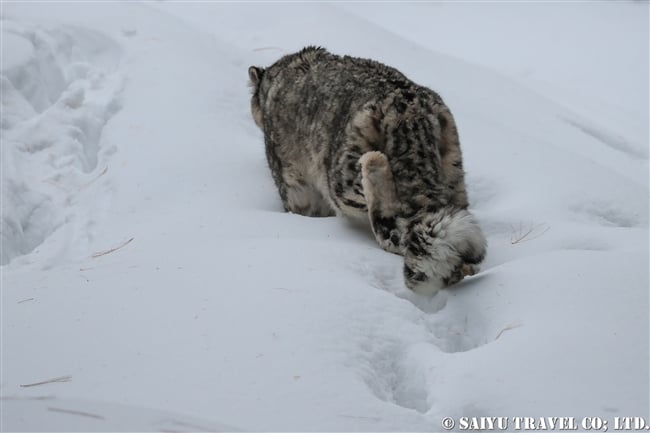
(147,260)
(60,87)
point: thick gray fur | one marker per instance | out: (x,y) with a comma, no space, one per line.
(355,137)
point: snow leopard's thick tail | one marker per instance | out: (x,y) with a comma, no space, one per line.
(439,248)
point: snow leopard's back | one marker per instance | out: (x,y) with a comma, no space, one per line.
(320,113)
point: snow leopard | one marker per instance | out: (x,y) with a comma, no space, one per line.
(354,137)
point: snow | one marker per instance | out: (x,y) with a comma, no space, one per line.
(146,258)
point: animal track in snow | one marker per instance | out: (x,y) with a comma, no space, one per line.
(60,87)
(399,353)
(403,370)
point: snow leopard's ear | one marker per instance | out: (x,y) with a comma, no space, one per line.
(255,75)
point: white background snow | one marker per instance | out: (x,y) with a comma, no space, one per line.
(148,266)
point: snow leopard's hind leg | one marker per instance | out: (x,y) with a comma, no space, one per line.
(381,198)
(302,197)
(298,193)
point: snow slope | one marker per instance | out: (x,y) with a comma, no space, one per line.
(148,266)
(587,55)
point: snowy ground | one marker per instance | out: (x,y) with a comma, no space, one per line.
(148,267)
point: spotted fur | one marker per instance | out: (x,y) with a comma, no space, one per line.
(355,137)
